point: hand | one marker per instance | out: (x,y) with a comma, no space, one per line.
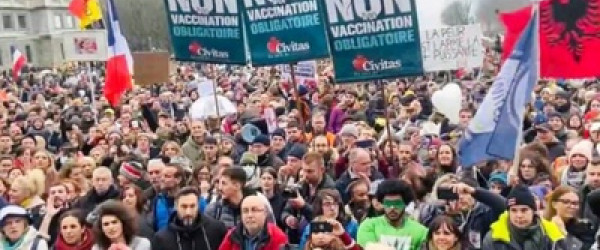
(291,222)
(513,179)
(461,188)
(50,209)
(338,229)
(298,202)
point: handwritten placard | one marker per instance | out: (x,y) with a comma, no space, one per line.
(450,48)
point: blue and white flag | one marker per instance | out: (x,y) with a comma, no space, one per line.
(495,130)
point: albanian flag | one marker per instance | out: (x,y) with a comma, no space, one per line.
(569,37)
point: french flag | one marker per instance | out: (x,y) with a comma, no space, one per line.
(119,67)
(19,61)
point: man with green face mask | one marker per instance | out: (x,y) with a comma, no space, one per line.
(395,228)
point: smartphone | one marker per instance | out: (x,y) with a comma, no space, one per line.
(444,193)
(321,227)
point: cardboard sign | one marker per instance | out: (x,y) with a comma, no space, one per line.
(450,48)
(151,67)
(89,45)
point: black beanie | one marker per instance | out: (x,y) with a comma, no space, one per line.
(520,195)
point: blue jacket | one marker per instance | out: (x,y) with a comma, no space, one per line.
(351,228)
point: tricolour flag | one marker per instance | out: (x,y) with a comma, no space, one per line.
(119,67)
(495,130)
(18,61)
(87,11)
(569,37)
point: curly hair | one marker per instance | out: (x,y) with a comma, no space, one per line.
(116,209)
(395,187)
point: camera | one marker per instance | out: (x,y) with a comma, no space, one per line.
(290,191)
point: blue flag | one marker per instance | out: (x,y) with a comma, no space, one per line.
(496,127)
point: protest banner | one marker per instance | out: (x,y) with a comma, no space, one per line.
(284,31)
(306,71)
(206,31)
(450,48)
(90,45)
(151,67)
(373,39)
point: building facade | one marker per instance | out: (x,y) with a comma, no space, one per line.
(36,28)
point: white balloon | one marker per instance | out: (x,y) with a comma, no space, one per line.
(448,101)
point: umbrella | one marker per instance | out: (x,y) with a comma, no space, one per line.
(205,107)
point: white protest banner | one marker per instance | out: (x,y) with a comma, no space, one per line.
(450,48)
(305,71)
(89,45)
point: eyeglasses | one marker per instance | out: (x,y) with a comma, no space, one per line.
(569,202)
(330,204)
(253,210)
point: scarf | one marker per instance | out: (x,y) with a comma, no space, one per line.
(17,245)
(527,238)
(86,243)
(574,178)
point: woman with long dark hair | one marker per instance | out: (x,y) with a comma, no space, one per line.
(328,206)
(270,189)
(133,198)
(443,234)
(115,226)
(446,160)
(73,232)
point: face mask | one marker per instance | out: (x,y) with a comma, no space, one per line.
(397,204)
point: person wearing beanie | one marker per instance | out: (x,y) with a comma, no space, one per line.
(498,182)
(249,162)
(131,173)
(261,147)
(278,143)
(521,228)
(17,231)
(574,174)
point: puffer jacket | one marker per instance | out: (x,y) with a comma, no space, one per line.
(478,220)
(499,237)
(192,151)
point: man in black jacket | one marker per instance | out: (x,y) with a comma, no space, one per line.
(103,190)
(189,229)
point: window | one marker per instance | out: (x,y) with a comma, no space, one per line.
(28,53)
(58,21)
(22,21)
(69,24)
(7,21)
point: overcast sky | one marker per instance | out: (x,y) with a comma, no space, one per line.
(429,12)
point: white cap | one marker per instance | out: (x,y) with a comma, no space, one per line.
(595,126)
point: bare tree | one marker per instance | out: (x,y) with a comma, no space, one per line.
(144,23)
(456,13)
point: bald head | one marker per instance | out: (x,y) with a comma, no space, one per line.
(102,179)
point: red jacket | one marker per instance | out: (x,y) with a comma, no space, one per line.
(273,239)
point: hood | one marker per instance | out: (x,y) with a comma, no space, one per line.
(28,238)
(499,230)
(176,225)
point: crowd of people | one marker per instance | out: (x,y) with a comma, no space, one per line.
(306,167)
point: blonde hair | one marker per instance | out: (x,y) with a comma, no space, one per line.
(26,184)
(38,178)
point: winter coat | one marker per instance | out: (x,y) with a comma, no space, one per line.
(336,120)
(478,221)
(589,209)
(88,202)
(341,184)
(499,237)
(351,228)
(32,240)
(205,234)
(228,214)
(271,239)
(193,151)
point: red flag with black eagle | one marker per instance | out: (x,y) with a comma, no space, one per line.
(569,35)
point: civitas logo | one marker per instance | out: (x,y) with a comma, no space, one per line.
(195,49)
(275,46)
(363,64)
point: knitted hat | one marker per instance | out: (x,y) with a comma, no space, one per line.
(248,159)
(584,148)
(209,140)
(297,151)
(133,171)
(520,195)
(11,211)
(278,132)
(302,90)
(262,139)
(499,177)
(349,130)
